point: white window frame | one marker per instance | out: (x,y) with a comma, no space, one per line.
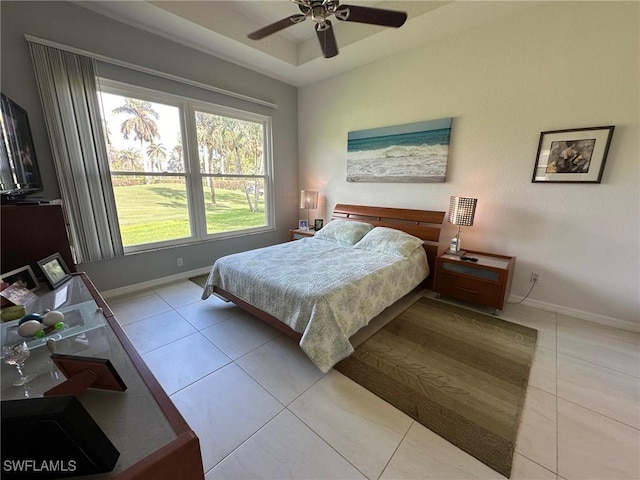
(193,177)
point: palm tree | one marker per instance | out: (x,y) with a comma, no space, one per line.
(254,145)
(156,151)
(128,160)
(208,132)
(141,123)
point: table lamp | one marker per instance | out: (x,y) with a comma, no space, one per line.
(461,212)
(308,201)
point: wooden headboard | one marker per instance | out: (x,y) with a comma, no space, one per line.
(424,224)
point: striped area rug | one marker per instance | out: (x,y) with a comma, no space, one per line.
(200,279)
(460,373)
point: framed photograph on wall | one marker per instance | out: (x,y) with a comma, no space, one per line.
(54,270)
(577,155)
(24,275)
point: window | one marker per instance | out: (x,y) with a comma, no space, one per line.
(183,170)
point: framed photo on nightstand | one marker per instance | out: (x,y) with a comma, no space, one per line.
(303,225)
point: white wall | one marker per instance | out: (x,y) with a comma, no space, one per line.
(561,65)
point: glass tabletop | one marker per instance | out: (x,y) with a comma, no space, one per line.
(131,419)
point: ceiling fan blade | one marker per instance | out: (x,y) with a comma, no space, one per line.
(276,27)
(327,39)
(374,16)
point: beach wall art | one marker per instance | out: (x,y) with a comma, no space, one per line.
(410,153)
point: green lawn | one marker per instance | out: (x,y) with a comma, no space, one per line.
(158,212)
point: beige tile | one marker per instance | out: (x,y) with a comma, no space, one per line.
(184,361)
(602,350)
(362,427)
(537,431)
(592,446)
(423,454)
(525,469)
(224,409)
(157,331)
(132,309)
(580,325)
(180,293)
(544,322)
(611,393)
(543,370)
(285,448)
(209,312)
(240,334)
(282,368)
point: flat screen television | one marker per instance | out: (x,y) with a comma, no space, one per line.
(19,172)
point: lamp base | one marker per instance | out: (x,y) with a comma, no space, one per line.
(459,253)
(454,246)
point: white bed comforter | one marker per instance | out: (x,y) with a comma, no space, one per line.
(322,289)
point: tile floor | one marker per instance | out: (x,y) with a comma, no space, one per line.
(262,410)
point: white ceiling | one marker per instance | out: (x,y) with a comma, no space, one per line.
(293,55)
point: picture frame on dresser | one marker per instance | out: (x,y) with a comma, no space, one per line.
(576,155)
(54,270)
(23,274)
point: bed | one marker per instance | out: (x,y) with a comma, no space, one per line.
(323,289)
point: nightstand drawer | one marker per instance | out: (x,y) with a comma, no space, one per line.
(469,289)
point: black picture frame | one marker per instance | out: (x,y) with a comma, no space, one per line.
(318,223)
(576,155)
(54,270)
(24,274)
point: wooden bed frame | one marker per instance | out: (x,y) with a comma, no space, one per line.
(424,224)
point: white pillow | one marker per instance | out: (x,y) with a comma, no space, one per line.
(389,241)
(344,231)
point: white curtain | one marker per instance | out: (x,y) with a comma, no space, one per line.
(67,85)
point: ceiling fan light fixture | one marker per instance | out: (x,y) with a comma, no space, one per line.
(318,13)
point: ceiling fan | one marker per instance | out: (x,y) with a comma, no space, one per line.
(321,10)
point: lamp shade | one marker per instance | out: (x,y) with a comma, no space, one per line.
(462,210)
(308,199)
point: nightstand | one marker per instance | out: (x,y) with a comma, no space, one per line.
(295,234)
(485,282)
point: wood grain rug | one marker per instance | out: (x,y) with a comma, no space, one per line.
(200,279)
(460,373)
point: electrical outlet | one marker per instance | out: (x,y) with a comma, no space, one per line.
(535,277)
(179,261)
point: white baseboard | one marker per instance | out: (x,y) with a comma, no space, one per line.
(581,314)
(154,283)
